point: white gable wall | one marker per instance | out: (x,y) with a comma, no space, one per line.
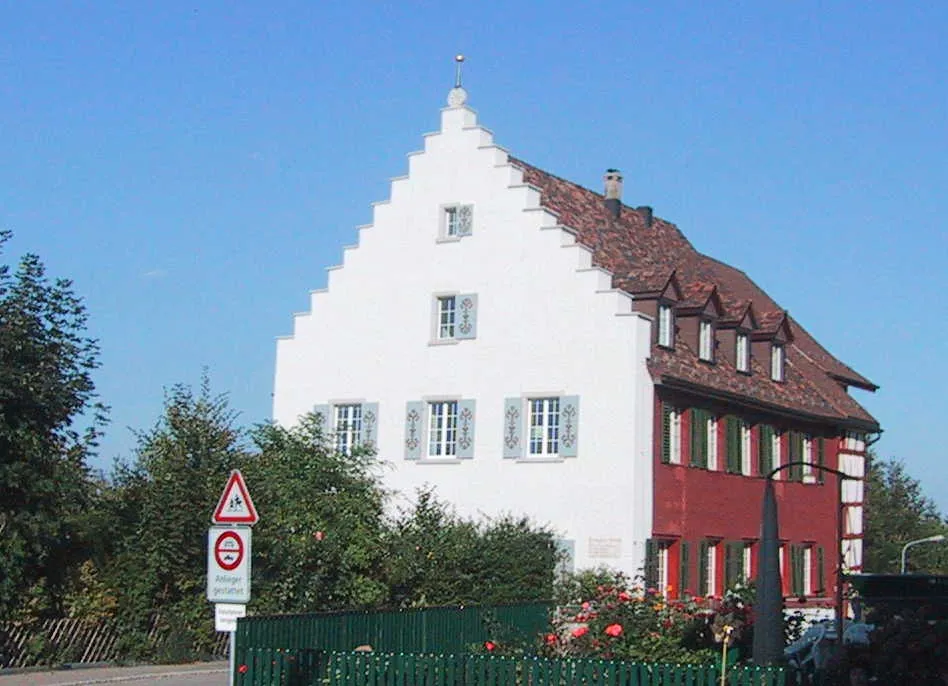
(547,324)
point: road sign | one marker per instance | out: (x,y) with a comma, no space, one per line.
(228,564)
(235,505)
(227,614)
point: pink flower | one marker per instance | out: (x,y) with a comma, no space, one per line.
(580,631)
(585,605)
(490,645)
(550,639)
(614,630)
(625,596)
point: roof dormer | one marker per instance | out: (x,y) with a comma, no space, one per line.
(735,338)
(771,343)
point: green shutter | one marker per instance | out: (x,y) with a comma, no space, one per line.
(820,458)
(820,578)
(796,570)
(651,563)
(795,454)
(733,438)
(702,568)
(699,438)
(666,432)
(684,569)
(765,449)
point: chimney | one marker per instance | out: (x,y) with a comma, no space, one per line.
(613,181)
(647,215)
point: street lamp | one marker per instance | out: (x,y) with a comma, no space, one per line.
(937,538)
(768,625)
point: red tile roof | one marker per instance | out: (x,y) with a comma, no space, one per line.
(642,258)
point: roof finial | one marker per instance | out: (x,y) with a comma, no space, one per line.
(458,96)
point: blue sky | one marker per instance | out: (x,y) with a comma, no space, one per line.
(195,166)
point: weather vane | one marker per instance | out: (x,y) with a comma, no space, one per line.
(458,96)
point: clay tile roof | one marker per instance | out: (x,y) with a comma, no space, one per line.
(643,257)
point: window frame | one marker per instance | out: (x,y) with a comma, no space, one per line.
(549,422)
(349,436)
(451,223)
(742,353)
(666,325)
(706,340)
(778,362)
(446,428)
(441,313)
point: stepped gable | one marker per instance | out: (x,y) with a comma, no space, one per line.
(643,256)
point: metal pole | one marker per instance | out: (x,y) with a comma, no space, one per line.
(938,538)
(841,560)
(232,658)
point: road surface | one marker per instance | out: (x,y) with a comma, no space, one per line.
(199,674)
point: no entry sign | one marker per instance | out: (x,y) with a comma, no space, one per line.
(228,564)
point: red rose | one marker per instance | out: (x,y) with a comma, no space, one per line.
(490,645)
(624,595)
(550,639)
(580,631)
(614,630)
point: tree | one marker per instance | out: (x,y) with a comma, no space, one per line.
(897,511)
(157,514)
(46,364)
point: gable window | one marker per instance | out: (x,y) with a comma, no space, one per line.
(706,341)
(455,317)
(777,359)
(348,427)
(666,326)
(457,221)
(742,353)
(447,311)
(671,434)
(443,428)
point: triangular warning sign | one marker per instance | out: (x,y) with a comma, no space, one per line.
(235,505)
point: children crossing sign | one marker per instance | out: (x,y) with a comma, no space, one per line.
(235,505)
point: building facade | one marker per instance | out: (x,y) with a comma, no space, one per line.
(524,345)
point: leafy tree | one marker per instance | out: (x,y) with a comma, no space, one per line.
(159,510)
(318,543)
(46,364)
(439,558)
(897,511)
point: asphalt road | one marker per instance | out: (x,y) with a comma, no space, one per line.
(200,674)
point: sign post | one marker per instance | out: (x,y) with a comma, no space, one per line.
(228,559)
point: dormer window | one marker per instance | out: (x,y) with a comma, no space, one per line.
(706,341)
(742,352)
(666,326)
(777,359)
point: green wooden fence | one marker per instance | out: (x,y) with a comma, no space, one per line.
(424,630)
(306,667)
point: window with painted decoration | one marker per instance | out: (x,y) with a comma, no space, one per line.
(439,429)
(455,317)
(457,221)
(742,354)
(706,341)
(666,326)
(541,427)
(777,362)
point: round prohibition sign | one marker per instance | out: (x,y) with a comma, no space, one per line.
(228,551)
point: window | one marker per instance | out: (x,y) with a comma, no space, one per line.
(801,570)
(795,443)
(746,561)
(808,475)
(457,221)
(443,429)
(704,439)
(777,362)
(666,330)
(776,450)
(439,429)
(671,434)
(745,448)
(447,311)
(455,317)
(656,565)
(808,570)
(661,581)
(684,569)
(348,427)
(551,425)
(710,567)
(742,354)
(733,564)
(706,341)
(737,435)
(544,418)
